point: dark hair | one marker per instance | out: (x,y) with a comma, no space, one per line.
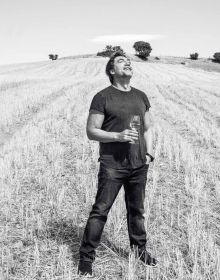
(110,65)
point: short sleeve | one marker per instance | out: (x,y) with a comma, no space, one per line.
(146,101)
(98,103)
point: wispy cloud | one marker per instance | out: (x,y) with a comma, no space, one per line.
(126,38)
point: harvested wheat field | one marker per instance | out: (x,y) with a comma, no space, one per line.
(48,173)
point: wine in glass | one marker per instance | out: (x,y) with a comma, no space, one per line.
(135,124)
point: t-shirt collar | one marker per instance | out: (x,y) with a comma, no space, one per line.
(124,91)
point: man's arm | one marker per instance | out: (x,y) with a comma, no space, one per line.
(94,131)
(148,134)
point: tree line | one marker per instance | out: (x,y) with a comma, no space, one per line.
(142,50)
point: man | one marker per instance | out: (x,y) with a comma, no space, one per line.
(125,155)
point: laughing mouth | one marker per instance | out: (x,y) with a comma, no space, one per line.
(128,68)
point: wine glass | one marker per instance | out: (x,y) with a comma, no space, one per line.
(135,124)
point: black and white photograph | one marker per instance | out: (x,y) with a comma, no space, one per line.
(109,140)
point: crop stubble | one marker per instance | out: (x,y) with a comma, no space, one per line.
(48,172)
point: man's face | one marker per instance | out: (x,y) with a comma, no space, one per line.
(122,67)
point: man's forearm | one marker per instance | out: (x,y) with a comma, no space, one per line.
(103,136)
(148,137)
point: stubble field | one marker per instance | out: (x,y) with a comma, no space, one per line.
(48,173)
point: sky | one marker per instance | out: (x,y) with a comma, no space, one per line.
(32,29)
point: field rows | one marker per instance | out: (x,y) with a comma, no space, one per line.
(48,171)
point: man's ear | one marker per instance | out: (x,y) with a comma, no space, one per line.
(112,71)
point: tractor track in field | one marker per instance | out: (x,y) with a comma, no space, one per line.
(195,113)
(31,113)
(185,129)
(11,85)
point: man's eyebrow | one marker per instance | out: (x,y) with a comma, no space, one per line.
(124,59)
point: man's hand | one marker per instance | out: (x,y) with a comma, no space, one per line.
(127,135)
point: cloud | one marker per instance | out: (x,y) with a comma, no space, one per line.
(126,38)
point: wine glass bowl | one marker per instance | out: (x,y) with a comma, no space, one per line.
(135,124)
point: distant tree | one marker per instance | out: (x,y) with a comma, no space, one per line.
(117,49)
(216,57)
(194,56)
(53,56)
(109,50)
(143,49)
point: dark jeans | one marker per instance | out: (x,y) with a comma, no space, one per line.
(109,183)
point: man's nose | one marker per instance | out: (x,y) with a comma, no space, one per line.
(128,62)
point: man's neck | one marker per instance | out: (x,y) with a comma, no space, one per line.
(122,85)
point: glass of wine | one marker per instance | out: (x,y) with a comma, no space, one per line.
(135,124)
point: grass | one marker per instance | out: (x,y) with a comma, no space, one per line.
(48,173)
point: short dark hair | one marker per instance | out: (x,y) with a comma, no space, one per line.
(110,65)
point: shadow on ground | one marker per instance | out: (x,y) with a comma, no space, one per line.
(64,232)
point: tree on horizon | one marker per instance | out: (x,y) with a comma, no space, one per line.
(53,56)
(143,49)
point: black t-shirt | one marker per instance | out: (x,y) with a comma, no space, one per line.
(118,108)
